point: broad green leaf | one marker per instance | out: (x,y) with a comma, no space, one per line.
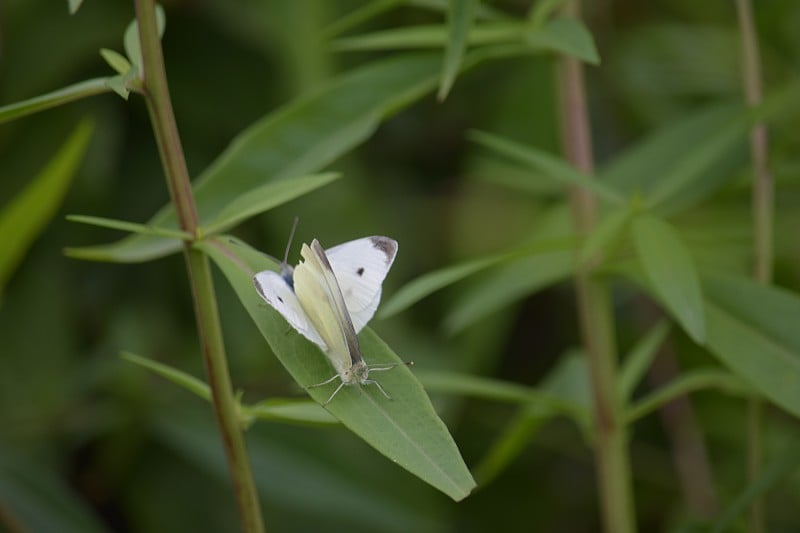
(53,99)
(24,218)
(671,272)
(132,227)
(431,282)
(296,140)
(687,382)
(459,21)
(36,499)
(638,361)
(507,285)
(560,35)
(607,231)
(406,429)
(546,164)
(752,329)
(779,468)
(116,60)
(266,197)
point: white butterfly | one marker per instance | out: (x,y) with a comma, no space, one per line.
(330,297)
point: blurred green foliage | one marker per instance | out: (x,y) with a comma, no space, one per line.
(90,442)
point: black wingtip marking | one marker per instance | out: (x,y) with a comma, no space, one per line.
(385,245)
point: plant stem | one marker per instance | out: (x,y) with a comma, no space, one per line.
(596,315)
(156,93)
(762,220)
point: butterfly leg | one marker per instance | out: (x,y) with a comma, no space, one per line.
(332,378)
(373,382)
(379,368)
(342,384)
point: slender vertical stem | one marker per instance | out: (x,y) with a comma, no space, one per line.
(156,93)
(762,222)
(596,315)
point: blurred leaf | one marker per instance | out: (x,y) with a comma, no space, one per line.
(549,165)
(559,35)
(569,381)
(37,500)
(74,6)
(297,139)
(607,231)
(266,197)
(288,410)
(508,284)
(129,226)
(777,470)
(178,377)
(22,220)
(431,282)
(406,429)
(689,381)
(359,16)
(53,99)
(753,330)
(541,10)
(116,60)
(459,21)
(671,272)
(638,361)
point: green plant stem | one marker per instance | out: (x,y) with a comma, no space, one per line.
(763,207)
(596,315)
(162,117)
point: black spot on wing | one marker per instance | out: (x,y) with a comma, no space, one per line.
(360,271)
(280,299)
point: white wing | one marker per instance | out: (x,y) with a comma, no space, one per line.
(360,267)
(277,293)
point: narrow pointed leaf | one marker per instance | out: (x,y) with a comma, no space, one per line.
(545,164)
(296,140)
(671,272)
(459,21)
(359,16)
(53,99)
(116,60)
(74,6)
(289,410)
(22,220)
(640,358)
(752,329)
(132,227)
(609,230)
(178,377)
(405,429)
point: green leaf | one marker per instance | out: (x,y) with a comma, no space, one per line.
(609,230)
(296,140)
(459,21)
(116,60)
(548,165)
(131,38)
(540,11)
(359,16)
(508,284)
(405,429)
(130,226)
(561,36)
(178,377)
(671,272)
(266,197)
(778,469)
(690,381)
(288,410)
(752,329)
(22,220)
(638,361)
(53,99)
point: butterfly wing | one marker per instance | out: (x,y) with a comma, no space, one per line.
(274,289)
(360,267)
(321,298)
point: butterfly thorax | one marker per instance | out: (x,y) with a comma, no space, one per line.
(358,373)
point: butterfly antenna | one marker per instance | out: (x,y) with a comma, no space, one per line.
(291,238)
